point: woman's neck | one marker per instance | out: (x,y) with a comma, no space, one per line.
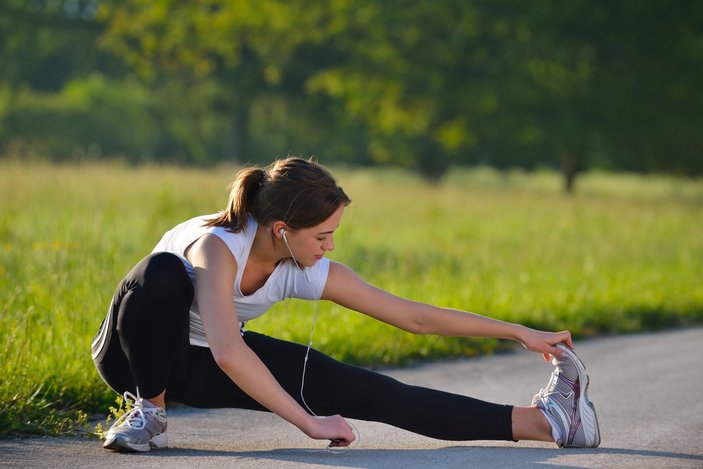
(265,249)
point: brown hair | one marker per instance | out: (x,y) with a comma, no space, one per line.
(300,192)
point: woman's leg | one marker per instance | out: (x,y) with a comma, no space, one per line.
(332,387)
(146,328)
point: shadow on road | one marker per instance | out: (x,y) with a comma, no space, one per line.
(441,457)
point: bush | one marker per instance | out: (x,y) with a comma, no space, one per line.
(96,117)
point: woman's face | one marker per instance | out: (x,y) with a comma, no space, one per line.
(309,245)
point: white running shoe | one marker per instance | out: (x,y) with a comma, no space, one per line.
(565,399)
(142,428)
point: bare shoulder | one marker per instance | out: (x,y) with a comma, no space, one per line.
(209,250)
(343,283)
(340,273)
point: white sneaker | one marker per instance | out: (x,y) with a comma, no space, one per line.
(142,428)
(565,399)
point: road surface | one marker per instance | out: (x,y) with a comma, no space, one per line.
(647,389)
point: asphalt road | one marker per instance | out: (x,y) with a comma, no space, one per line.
(647,389)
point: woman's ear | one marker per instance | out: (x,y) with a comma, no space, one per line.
(279,229)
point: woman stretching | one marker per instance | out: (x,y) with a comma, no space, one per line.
(175,331)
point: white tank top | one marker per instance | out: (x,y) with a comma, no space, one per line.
(286,281)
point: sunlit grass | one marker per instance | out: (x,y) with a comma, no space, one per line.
(621,255)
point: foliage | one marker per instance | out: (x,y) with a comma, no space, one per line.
(96,117)
(620,256)
(115,412)
(424,85)
(45,43)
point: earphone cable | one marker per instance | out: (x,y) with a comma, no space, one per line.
(316,311)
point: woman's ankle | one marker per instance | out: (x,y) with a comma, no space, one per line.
(530,424)
(159,400)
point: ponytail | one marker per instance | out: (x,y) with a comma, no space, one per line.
(242,197)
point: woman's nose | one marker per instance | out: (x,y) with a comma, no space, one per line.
(329,244)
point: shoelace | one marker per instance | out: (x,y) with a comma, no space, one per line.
(135,418)
(550,385)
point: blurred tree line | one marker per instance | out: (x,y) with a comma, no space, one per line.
(568,84)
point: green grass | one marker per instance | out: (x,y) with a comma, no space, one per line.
(621,255)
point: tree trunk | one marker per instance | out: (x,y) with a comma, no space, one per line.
(570,167)
(237,145)
(432,162)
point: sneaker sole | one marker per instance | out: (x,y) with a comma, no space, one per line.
(587,410)
(119,444)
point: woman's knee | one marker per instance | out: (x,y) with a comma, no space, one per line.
(164,265)
(164,275)
(157,288)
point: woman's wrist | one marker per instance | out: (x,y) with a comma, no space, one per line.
(517,332)
(306,424)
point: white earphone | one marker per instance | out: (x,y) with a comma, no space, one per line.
(283,234)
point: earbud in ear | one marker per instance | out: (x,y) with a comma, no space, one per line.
(282,231)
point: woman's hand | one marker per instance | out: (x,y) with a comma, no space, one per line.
(333,428)
(544,342)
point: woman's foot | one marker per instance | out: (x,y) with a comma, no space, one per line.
(142,428)
(565,403)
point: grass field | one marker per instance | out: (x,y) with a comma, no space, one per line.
(621,255)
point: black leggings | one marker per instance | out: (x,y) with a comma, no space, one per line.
(143,342)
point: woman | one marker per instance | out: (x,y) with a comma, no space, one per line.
(175,330)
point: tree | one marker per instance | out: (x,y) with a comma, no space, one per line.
(44,46)
(617,83)
(252,49)
(569,84)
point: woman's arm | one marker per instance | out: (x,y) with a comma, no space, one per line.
(215,271)
(347,289)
